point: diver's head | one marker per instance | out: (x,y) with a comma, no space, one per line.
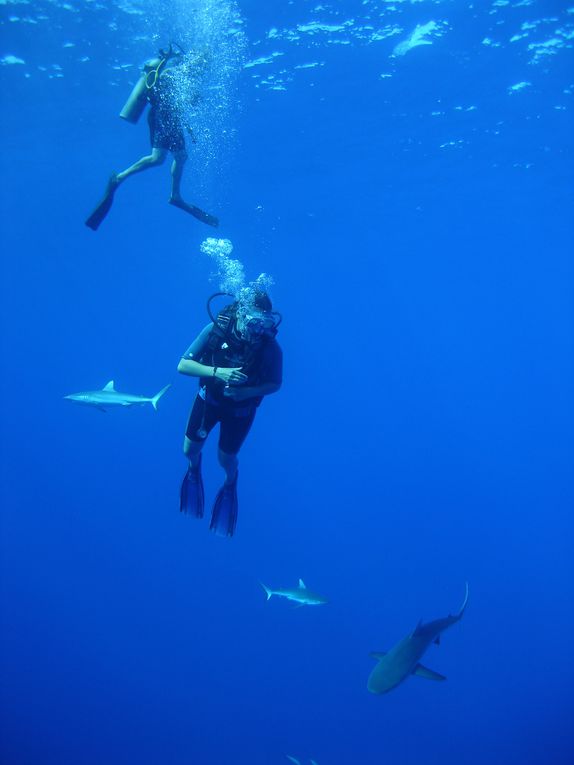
(255,319)
(174,54)
(261,300)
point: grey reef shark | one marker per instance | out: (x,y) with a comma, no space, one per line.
(403,660)
(299,595)
(109,397)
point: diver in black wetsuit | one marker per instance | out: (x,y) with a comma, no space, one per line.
(169,85)
(238,361)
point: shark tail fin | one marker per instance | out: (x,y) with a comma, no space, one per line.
(463,607)
(268,592)
(157,396)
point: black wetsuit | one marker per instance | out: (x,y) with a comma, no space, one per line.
(262,364)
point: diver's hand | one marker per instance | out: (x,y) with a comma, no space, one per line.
(231,375)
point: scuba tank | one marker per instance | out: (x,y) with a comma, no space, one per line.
(134,106)
(136,103)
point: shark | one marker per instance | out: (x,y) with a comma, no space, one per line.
(404,658)
(298,762)
(109,397)
(300,595)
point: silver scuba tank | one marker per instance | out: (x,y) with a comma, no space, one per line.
(135,105)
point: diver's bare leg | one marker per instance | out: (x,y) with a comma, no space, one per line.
(177,200)
(192,450)
(229,463)
(179,160)
(156,158)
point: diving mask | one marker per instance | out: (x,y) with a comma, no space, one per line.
(255,324)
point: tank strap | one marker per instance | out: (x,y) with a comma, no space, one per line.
(155,73)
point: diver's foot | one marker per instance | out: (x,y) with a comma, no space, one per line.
(191,497)
(201,215)
(224,513)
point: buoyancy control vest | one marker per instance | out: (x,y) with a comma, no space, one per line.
(224,348)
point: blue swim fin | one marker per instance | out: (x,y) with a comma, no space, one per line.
(104,205)
(224,513)
(191,496)
(201,215)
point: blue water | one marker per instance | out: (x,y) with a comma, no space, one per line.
(419,231)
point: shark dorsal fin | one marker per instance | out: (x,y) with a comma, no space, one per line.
(302,585)
(378,655)
(109,386)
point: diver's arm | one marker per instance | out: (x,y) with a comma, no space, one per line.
(193,368)
(228,375)
(188,365)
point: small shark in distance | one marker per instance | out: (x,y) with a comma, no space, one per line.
(300,595)
(297,762)
(109,397)
(403,659)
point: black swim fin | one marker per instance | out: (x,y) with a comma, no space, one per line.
(201,215)
(224,513)
(191,496)
(104,205)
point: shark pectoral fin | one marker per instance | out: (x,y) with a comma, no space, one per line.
(293,759)
(422,671)
(378,655)
(302,585)
(109,386)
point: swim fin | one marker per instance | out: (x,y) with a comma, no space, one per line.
(201,215)
(224,513)
(191,496)
(104,205)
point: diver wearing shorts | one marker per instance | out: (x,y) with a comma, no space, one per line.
(169,84)
(238,361)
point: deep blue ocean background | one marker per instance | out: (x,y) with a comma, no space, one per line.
(419,230)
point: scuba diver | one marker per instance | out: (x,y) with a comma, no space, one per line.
(238,361)
(162,85)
